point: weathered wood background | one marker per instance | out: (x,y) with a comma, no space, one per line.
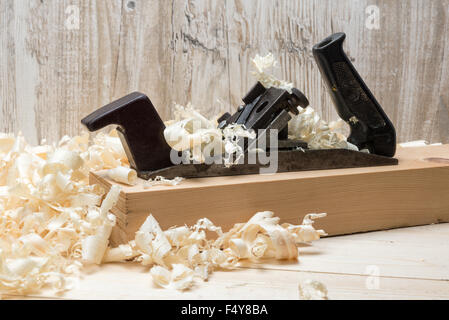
(53,72)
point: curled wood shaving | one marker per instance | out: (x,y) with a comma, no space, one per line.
(123,252)
(201,140)
(123,174)
(162,181)
(312,290)
(193,133)
(232,135)
(267,79)
(180,277)
(318,134)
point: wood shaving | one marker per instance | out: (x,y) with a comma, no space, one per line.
(162,181)
(312,290)
(123,174)
(232,135)
(192,133)
(307,126)
(201,140)
(262,64)
(123,252)
(179,277)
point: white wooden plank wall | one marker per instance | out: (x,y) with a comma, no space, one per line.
(54,70)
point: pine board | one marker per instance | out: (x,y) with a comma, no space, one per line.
(356,200)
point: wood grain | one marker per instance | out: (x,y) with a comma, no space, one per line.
(200,51)
(356,200)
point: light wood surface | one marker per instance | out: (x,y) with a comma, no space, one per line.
(356,200)
(52,75)
(411,263)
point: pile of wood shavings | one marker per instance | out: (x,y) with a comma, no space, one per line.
(53,222)
(180,254)
(200,138)
(307,126)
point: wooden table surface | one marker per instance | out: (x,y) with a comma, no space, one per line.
(411,263)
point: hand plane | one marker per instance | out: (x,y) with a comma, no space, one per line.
(141,130)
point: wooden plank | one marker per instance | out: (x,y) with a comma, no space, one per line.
(198,58)
(75,45)
(356,200)
(120,281)
(338,262)
(415,252)
(200,51)
(8,103)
